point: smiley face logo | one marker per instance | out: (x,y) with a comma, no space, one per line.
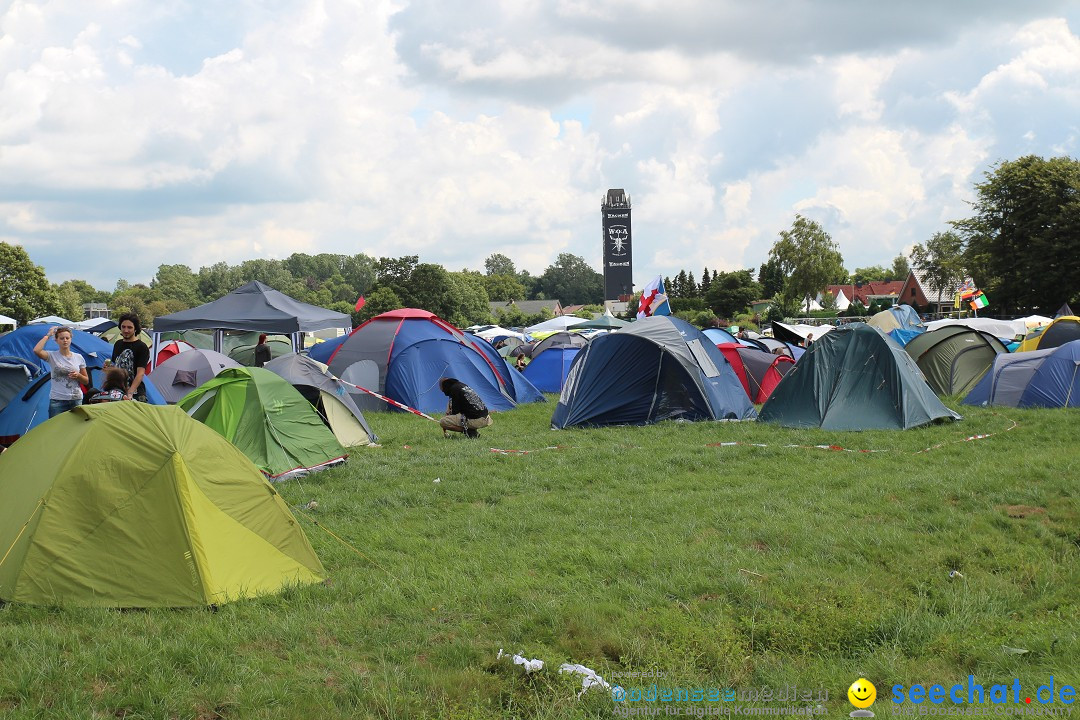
(862,693)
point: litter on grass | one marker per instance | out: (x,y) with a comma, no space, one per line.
(529,665)
(590,679)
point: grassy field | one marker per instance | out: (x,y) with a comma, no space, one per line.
(644,549)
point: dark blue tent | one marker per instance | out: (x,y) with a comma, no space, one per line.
(658,368)
(15,372)
(1038,378)
(404,353)
(21,341)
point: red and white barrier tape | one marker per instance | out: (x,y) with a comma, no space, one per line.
(385,399)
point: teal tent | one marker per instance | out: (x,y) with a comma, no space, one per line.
(855,378)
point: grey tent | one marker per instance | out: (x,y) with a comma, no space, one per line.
(255,308)
(15,373)
(185,371)
(855,378)
(954,358)
(329,396)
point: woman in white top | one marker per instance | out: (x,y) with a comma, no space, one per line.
(68,370)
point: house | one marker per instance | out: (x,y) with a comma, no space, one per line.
(95,310)
(866,293)
(570,309)
(529,307)
(917,291)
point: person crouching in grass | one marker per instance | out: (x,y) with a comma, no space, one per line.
(465,411)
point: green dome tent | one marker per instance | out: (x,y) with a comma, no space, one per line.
(854,378)
(133,505)
(267,418)
(954,358)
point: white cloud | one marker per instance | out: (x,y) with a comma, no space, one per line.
(152,135)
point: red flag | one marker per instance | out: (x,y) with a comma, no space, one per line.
(360,303)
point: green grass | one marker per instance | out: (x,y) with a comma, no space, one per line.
(625,549)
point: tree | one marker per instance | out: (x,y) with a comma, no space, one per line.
(808,258)
(771,278)
(572,281)
(732,293)
(470,300)
(380,300)
(1023,242)
(503,287)
(176,282)
(499,264)
(941,261)
(874,273)
(25,293)
(900,268)
(396,273)
(706,281)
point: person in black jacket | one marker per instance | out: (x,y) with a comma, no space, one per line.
(465,411)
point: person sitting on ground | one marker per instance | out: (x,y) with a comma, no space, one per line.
(262,352)
(131,354)
(68,371)
(520,363)
(113,389)
(465,411)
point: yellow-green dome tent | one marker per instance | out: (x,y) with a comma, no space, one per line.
(133,505)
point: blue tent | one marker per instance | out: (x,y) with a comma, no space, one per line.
(719,335)
(21,341)
(1039,378)
(904,336)
(15,372)
(549,369)
(322,351)
(404,353)
(658,368)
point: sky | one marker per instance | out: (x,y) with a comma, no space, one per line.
(135,133)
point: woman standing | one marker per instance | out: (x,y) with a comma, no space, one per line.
(68,370)
(263,354)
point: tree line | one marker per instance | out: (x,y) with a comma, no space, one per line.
(328,280)
(1020,246)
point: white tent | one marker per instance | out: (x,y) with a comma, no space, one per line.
(497,331)
(5,320)
(563,322)
(51,320)
(997,328)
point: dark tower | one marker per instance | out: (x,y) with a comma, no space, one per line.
(618,259)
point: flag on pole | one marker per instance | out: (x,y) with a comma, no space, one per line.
(979,301)
(360,303)
(654,300)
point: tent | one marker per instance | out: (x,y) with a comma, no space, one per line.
(901,317)
(171,348)
(241,346)
(51,320)
(954,358)
(719,336)
(902,337)
(5,320)
(328,395)
(758,371)
(1064,311)
(797,334)
(326,348)
(255,308)
(21,341)
(1001,329)
(15,373)
(659,368)
(854,378)
(1062,330)
(1040,378)
(555,324)
(182,373)
(264,416)
(112,334)
(551,360)
(404,353)
(129,505)
(607,321)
